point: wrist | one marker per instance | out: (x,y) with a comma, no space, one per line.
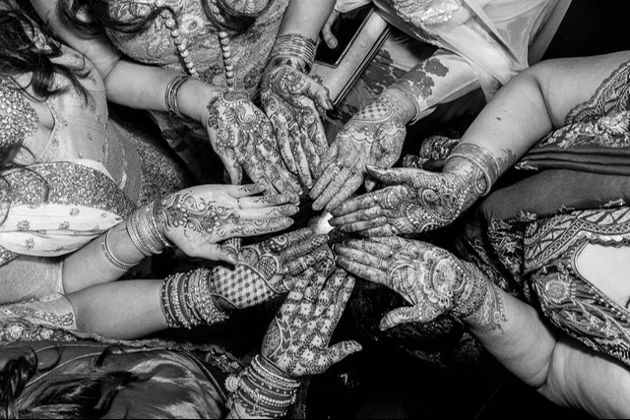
(260,391)
(476,164)
(476,288)
(401,103)
(295,46)
(194,96)
(146,232)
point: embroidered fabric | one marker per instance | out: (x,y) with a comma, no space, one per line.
(537,250)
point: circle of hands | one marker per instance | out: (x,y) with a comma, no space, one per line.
(297,341)
(292,101)
(267,269)
(374,136)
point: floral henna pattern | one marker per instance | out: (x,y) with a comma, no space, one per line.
(266,270)
(292,101)
(297,340)
(374,136)
(243,138)
(412,201)
(432,280)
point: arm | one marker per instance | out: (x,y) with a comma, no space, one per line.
(522,113)
(559,367)
(127,83)
(306,17)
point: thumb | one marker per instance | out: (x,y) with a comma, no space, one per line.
(228,253)
(392,176)
(340,351)
(400,316)
(369,184)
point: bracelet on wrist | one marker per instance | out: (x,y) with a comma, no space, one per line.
(295,46)
(482,158)
(171,93)
(121,265)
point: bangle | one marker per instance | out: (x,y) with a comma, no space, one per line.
(170,95)
(480,157)
(121,265)
(295,46)
(144,232)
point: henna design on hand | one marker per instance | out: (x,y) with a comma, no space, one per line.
(243,138)
(432,280)
(197,219)
(374,136)
(297,340)
(412,200)
(291,101)
(267,269)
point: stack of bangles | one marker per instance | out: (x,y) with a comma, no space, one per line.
(297,51)
(260,391)
(143,230)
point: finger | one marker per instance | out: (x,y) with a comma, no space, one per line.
(291,305)
(345,190)
(235,171)
(304,247)
(375,247)
(258,227)
(338,177)
(400,316)
(232,246)
(284,241)
(385,230)
(362,257)
(213,252)
(385,198)
(299,155)
(301,264)
(241,191)
(340,351)
(371,213)
(327,266)
(317,284)
(364,226)
(393,176)
(328,167)
(360,270)
(264,201)
(327,35)
(280,125)
(268,212)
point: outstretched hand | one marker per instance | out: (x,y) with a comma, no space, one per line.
(268,269)
(374,136)
(297,341)
(411,201)
(243,137)
(197,219)
(432,280)
(291,100)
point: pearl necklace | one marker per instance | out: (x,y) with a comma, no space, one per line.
(182,47)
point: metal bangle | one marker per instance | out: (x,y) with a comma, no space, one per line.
(121,265)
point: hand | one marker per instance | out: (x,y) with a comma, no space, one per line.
(267,269)
(297,340)
(242,137)
(374,136)
(412,201)
(196,219)
(291,100)
(431,279)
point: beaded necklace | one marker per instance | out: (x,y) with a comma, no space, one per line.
(170,21)
(18,119)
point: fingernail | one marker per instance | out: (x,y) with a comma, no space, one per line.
(330,104)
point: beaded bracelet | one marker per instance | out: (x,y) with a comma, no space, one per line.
(295,45)
(121,265)
(170,95)
(480,157)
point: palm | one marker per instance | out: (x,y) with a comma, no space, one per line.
(412,201)
(243,138)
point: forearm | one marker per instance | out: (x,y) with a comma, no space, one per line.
(515,333)
(92,259)
(583,378)
(306,17)
(441,78)
(535,102)
(146,89)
